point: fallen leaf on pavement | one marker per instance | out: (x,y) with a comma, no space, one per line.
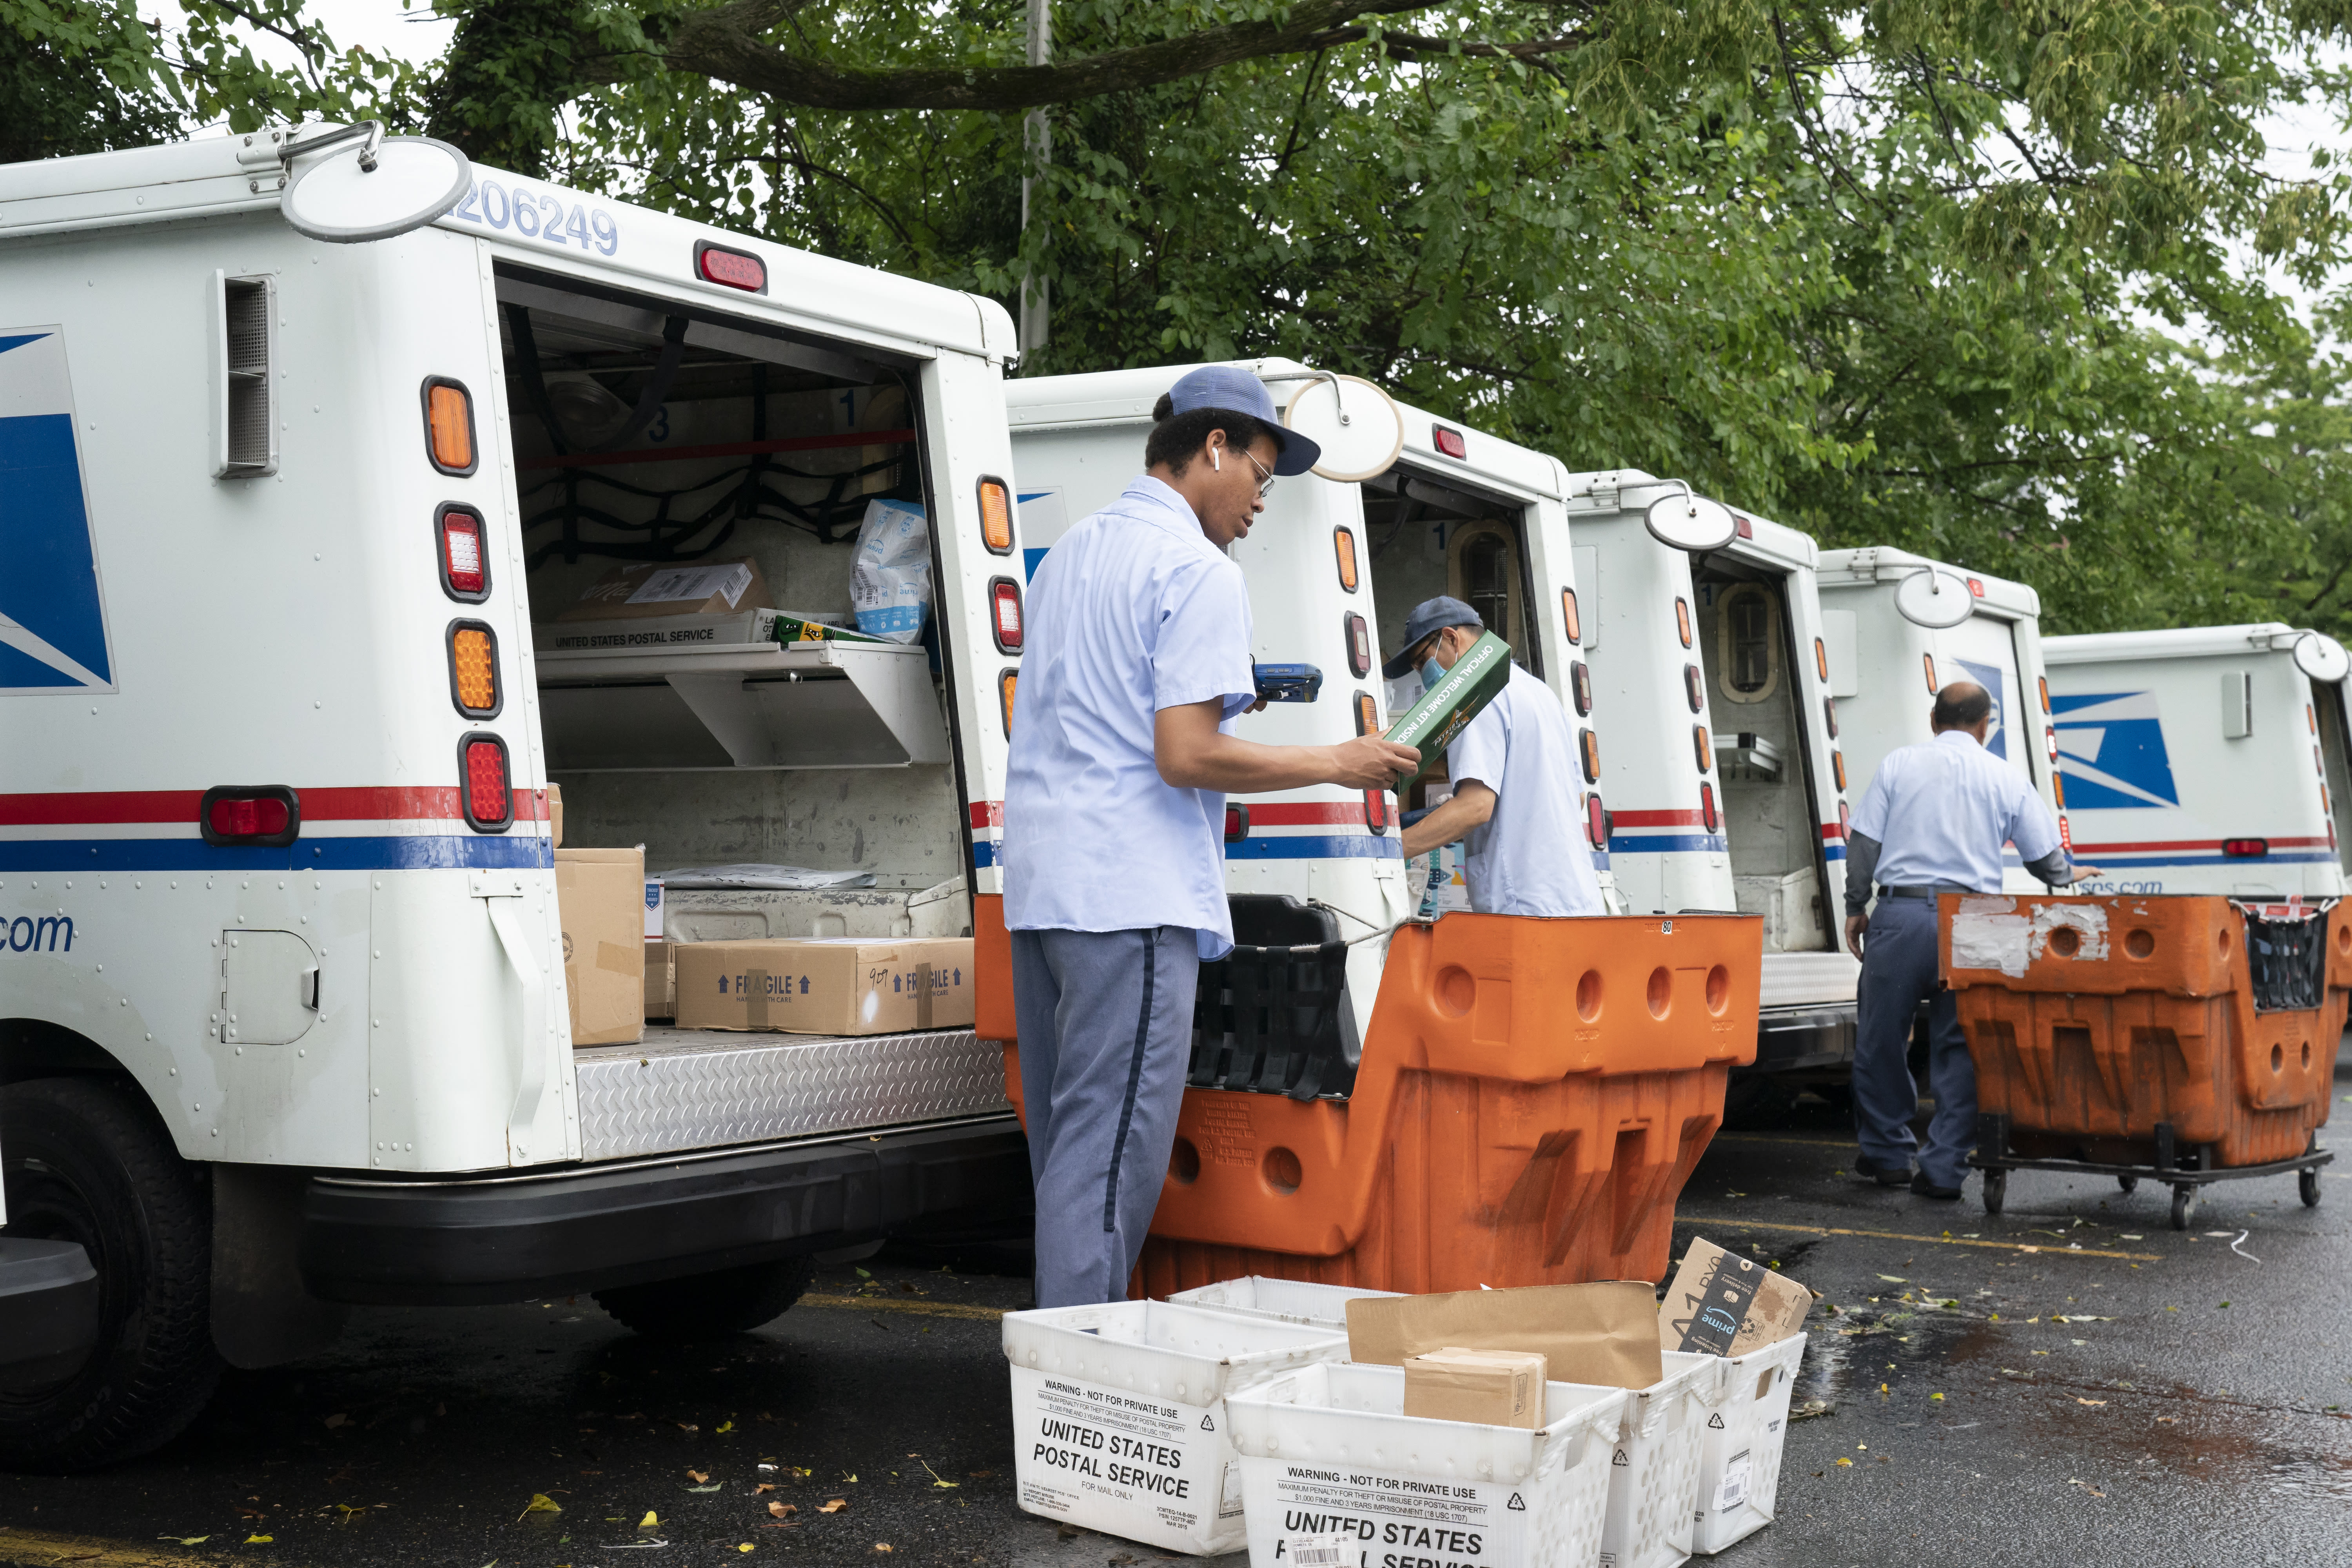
(686,1426)
(713,1486)
(184,1540)
(835,1506)
(881,1546)
(936,1481)
(259,1540)
(725,1427)
(2079,1400)
(2168,1420)
(745,1547)
(337,1420)
(763,1487)
(783,1509)
(698,1475)
(1845,1461)
(540,1503)
(649,1522)
(1894,1279)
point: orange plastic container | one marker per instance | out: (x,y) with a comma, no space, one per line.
(2092,1020)
(1531,1097)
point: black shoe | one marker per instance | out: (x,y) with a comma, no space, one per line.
(1922,1187)
(1885,1175)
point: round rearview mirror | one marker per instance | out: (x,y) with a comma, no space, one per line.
(2321,657)
(338,199)
(1687,520)
(1935,598)
(1358,426)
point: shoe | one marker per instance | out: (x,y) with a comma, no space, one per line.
(1922,1187)
(1885,1175)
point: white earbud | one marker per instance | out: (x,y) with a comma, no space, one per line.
(1215,461)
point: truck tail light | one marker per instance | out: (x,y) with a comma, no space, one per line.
(1449,442)
(1822,658)
(2043,681)
(1707,811)
(729,268)
(474,669)
(2318,765)
(2050,743)
(2066,835)
(450,426)
(1367,713)
(2310,719)
(1837,769)
(1846,822)
(1007,684)
(997,517)
(488,798)
(1829,715)
(1702,748)
(1683,621)
(463,545)
(1596,821)
(1588,747)
(1580,687)
(1005,614)
(1360,645)
(1694,689)
(1343,545)
(1744,527)
(253,816)
(1975,587)
(1236,823)
(2058,789)
(1376,810)
(1570,621)
(1928,663)
(2245,848)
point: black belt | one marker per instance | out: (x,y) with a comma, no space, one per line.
(1921,892)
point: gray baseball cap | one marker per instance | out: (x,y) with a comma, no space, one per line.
(1228,387)
(1429,615)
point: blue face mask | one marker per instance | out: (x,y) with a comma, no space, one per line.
(1432,672)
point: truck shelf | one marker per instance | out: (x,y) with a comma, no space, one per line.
(741,705)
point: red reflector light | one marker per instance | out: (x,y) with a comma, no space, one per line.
(2050,743)
(1449,442)
(1746,530)
(1236,823)
(249,818)
(1360,645)
(1975,587)
(1845,821)
(465,557)
(1694,689)
(734,268)
(2065,837)
(1376,810)
(1580,687)
(1005,614)
(1706,813)
(488,802)
(2245,848)
(1596,821)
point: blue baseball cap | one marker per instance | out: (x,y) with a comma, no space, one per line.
(1226,386)
(1429,615)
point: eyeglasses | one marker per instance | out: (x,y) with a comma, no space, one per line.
(1265,474)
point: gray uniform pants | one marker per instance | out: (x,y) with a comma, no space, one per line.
(1899,972)
(1106,1024)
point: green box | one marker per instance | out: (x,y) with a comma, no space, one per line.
(1460,695)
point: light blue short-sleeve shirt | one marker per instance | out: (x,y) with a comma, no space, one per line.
(1133,610)
(1942,809)
(1530,858)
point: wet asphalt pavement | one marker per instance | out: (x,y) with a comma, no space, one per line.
(2072,1384)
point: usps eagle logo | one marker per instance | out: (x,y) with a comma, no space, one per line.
(52,616)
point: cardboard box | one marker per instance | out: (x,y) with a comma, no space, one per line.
(661,981)
(1493,1388)
(1446,709)
(847,985)
(599,896)
(654,589)
(556,814)
(1723,1304)
(1605,1335)
(734,627)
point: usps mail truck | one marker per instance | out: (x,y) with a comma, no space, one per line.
(2206,759)
(305,431)
(1423,506)
(1727,787)
(1900,628)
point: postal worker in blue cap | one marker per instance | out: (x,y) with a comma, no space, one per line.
(1516,783)
(1122,753)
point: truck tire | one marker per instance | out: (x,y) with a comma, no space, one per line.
(709,1306)
(88,1162)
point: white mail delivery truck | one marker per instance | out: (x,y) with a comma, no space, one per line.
(1725,784)
(1424,507)
(2206,759)
(303,432)
(1898,629)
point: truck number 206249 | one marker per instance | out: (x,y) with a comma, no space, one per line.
(536,214)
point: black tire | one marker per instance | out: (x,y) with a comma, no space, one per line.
(2130,1184)
(1756,1099)
(1995,1190)
(2184,1205)
(90,1163)
(711,1306)
(2306,1186)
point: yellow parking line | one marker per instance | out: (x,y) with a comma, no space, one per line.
(42,1548)
(2061,1250)
(897,1304)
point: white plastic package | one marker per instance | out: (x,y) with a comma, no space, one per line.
(890,582)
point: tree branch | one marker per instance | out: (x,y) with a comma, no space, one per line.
(727,43)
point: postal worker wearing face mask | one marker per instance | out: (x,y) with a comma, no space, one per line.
(1516,785)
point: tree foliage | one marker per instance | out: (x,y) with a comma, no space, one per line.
(1992,279)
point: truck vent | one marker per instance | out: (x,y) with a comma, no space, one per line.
(245,412)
